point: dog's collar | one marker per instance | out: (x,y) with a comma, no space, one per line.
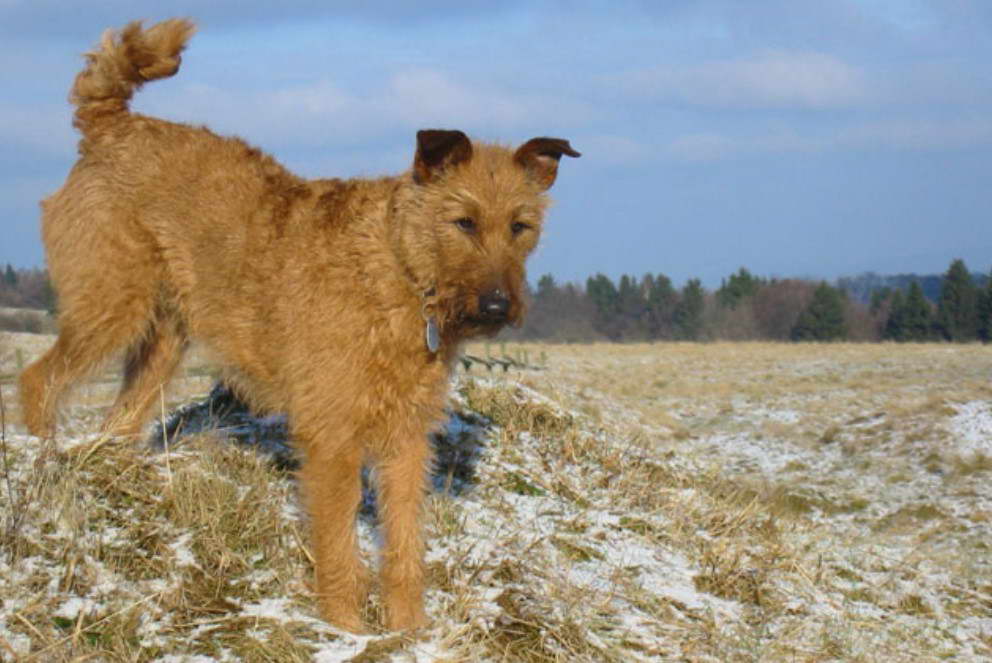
(432,333)
(428,309)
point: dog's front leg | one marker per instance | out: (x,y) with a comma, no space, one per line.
(331,480)
(403,476)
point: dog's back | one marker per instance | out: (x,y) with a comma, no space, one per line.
(156,205)
(157,232)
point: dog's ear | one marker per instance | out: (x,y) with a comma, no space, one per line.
(438,149)
(540,157)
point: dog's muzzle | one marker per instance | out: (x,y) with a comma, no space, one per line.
(494,307)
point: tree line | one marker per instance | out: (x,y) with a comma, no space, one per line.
(744,307)
(748,307)
(26,288)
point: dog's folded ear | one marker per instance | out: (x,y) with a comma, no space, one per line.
(438,149)
(540,157)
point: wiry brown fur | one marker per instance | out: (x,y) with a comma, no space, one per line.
(312,293)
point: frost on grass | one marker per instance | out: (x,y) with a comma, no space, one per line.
(672,502)
(971,426)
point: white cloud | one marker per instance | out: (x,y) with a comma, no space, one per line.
(915,134)
(321,98)
(713,146)
(703,147)
(320,113)
(772,79)
(426,96)
(891,135)
(934,83)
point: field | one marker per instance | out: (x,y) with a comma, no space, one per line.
(691,502)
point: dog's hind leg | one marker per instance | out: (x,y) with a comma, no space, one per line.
(77,352)
(98,316)
(148,367)
(42,383)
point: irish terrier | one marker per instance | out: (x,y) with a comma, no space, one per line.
(339,302)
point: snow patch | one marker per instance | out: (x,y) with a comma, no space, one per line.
(343,649)
(269,609)
(972,427)
(183,554)
(75,605)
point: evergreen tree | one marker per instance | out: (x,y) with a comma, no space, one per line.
(985,313)
(10,277)
(633,306)
(689,313)
(917,317)
(737,287)
(606,299)
(49,300)
(910,317)
(603,294)
(631,300)
(957,317)
(546,287)
(823,319)
(878,298)
(557,313)
(894,324)
(663,300)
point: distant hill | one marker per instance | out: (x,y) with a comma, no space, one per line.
(862,286)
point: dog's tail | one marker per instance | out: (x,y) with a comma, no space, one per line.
(125,60)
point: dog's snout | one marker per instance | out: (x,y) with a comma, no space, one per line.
(494,305)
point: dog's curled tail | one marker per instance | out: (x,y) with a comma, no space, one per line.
(125,60)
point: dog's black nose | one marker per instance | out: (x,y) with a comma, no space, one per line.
(494,306)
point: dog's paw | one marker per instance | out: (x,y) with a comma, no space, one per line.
(405,616)
(346,620)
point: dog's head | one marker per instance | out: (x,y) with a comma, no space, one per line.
(482,207)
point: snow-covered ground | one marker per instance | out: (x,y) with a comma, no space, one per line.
(671,502)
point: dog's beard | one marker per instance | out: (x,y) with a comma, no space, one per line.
(471,326)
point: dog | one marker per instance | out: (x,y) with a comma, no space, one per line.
(341,302)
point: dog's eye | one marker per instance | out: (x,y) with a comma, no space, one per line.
(518,227)
(466,224)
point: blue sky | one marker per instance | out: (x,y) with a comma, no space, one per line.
(793,137)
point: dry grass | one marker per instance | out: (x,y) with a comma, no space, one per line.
(724,502)
(118,553)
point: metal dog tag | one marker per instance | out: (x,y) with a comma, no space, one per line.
(433,335)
